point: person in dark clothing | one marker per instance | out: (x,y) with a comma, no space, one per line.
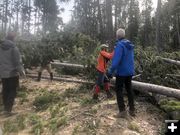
(10,69)
(123,64)
(45,64)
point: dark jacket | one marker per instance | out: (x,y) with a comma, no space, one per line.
(10,60)
(123,59)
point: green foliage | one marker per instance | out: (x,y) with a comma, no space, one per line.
(37,123)
(58,110)
(154,70)
(15,125)
(43,101)
(170,105)
(22,93)
(87,101)
(133,126)
(55,123)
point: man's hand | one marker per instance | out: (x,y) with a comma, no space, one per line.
(23,74)
(109,75)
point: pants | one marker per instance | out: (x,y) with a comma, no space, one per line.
(102,78)
(9,88)
(120,81)
(47,67)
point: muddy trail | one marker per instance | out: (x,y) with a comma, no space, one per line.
(63,108)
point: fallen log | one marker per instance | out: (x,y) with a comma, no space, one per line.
(62,79)
(139,86)
(68,65)
(173,75)
(176,62)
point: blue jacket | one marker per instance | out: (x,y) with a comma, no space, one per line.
(123,59)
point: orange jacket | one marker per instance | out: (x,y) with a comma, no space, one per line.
(102,60)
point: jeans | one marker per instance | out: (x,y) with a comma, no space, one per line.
(9,88)
(120,81)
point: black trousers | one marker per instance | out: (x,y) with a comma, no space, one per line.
(9,88)
(120,82)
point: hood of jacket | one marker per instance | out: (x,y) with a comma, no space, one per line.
(128,44)
(7,44)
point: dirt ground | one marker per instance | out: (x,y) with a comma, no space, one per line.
(84,117)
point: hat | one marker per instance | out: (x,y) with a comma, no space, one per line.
(103,46)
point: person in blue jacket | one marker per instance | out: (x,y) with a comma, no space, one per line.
(123,67)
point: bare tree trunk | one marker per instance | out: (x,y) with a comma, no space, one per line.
(17,19)
(158,39)
(35,21)
(100,20)
(116,15)
(6,14)
(178,29)
(109,19)
(29,16)
(2,24)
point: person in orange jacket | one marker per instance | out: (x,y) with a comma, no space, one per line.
(102,79)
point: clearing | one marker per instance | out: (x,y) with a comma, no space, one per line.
(67,109)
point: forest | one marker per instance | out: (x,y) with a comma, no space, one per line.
(65,106)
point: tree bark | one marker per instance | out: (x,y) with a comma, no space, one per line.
(158,40)
(109,19)
(178,29)
(176,62)
(6,14)
(67,65)
(100,20)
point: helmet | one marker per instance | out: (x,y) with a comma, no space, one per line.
(103,46)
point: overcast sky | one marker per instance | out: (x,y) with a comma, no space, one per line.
(69,6)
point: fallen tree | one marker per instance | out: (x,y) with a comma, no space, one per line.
(176,62)
(139,86)
(67,65)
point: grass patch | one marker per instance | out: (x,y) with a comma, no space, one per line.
(170,105)
(90,126)
(58,110)
(46,99)
(133,126)
(37,124)
(76,130)
(22,93)
(55,123)
(87,101)
(13,126)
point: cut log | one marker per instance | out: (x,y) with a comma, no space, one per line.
(176,62)
(147,87)
(139,86)
(68,65)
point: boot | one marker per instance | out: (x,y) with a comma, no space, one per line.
(51,76)
(106,86)
(109,94)
(122,114)
(97,90)
(95,97)
(132,113)
(39,77)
